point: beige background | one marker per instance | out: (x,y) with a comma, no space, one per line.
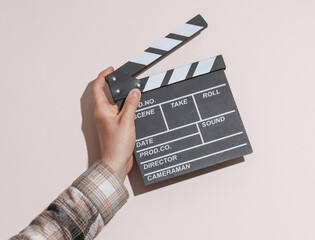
(50,52)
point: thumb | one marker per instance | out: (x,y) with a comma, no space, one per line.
(131,104)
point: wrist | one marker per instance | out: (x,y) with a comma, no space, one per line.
(117,168)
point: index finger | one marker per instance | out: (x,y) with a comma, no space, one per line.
(99,96)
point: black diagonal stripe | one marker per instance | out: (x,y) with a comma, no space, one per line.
(192,70)
(167,77)
(198,20)
(177,37)
(143,83)
(218,64)
(131,68)
(156,51)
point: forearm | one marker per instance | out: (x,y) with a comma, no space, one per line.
(83,209)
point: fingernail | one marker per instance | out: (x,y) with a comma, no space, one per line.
(135,93)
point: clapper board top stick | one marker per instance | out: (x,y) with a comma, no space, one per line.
(187,118)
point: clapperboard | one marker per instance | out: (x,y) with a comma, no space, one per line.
(187,118)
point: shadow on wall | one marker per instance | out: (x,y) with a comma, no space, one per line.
(94,152)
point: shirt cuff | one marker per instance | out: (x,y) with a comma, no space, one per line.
(104,188)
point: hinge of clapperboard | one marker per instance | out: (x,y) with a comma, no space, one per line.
(122,80)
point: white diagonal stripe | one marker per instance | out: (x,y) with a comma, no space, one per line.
(154,81)
(166,44)
(145,58)
(187,30)
(179,74)
(204,66)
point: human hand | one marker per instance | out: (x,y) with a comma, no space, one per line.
(116,129)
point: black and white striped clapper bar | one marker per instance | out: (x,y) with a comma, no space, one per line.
(187,118)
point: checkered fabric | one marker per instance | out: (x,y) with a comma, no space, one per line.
(83,209)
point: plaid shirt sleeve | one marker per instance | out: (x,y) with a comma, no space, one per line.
(83,209)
